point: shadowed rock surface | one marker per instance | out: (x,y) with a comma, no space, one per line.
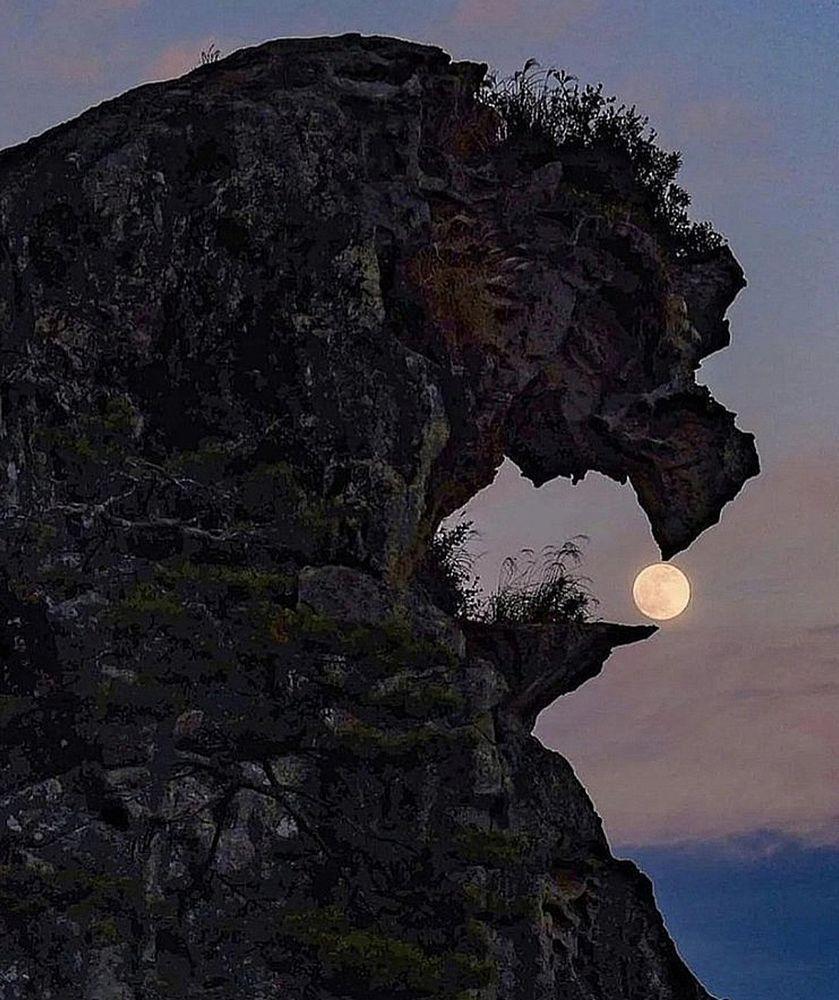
(262,327)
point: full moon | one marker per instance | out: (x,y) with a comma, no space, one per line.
(661,591)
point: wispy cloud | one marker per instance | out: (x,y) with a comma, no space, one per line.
(728,120)
(175,60)
(495,15)
(725,723)
(709,734)
(95,6)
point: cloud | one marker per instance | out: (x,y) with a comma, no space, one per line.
(542,15)
(78,67)
(704,734)
(183,56)
(95,6)
(726,723)
(175,60)
(728,120)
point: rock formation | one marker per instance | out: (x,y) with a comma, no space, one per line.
(261,328)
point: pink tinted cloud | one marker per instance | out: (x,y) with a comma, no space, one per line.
(725,723)
(495,15)
(175,60)
(183,56)
(704,735)
(76,67)
(726,120)
(63,8)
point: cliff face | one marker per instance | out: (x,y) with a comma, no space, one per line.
(261,328)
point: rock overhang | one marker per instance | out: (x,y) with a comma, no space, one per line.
(576,374)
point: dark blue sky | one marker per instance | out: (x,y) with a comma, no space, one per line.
(752,927)
(725,726)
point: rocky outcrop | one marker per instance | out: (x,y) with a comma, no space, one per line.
(261,328)
(542,662)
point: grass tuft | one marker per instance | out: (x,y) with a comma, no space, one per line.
(541,589)
(531,589)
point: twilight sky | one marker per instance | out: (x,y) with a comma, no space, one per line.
(719,738)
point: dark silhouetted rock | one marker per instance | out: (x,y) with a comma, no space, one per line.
(261,328)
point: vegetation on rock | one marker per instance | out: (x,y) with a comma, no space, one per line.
(490,847)
(145,605)
(245,579)
(356,955)
(531,589)
(548,107)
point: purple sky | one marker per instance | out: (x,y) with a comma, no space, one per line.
(725,723)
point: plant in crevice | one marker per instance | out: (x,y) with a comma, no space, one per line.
(463,276)
(210,55)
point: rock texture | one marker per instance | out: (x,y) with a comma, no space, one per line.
(261,328)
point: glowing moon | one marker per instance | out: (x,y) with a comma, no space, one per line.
(661,591)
